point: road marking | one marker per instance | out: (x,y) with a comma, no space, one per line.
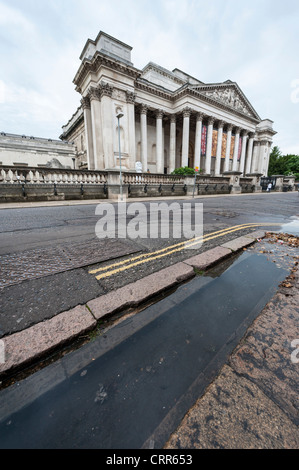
(169,250)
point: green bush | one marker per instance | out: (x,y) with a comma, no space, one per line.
(184,171)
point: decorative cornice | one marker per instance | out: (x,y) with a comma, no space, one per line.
(98,60)
(185,91)
(153,90)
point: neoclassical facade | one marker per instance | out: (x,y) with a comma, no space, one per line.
(169,118)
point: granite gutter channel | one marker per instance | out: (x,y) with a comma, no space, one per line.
(27,347)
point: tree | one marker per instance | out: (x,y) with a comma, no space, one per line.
(275,162)
(283,164)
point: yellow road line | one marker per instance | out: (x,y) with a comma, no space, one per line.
(162,250)
(172,249)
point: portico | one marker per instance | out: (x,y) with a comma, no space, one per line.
(170,119)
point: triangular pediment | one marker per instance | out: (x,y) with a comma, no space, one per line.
(229,95)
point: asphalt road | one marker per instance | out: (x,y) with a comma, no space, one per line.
(46,253)
(131,387)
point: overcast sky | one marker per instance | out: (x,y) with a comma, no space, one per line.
(252,42)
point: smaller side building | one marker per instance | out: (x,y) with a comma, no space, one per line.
(25,151)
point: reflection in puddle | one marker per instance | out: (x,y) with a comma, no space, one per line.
(292,227)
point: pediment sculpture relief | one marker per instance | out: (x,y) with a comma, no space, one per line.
(228,97)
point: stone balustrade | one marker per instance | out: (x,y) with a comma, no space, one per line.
(47,184)
(152,178)
(38,175)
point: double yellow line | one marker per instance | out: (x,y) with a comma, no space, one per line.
(120,266)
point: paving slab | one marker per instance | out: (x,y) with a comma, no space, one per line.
(238,243)
(208,258)
(28,345)
(265,354)
(234,414)
(258,234)
(133,294)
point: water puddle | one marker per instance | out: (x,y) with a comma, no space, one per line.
(291,228)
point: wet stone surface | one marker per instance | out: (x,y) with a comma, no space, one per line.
(253,403)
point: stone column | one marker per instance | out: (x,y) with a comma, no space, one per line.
(172,145)
(85,102)
(186,131)
(264,151)
(228,147)
(264,156)
(242,160)
(255,157)
(209,145)
(198,134)
(96,120)
(143,132)
(107,125)
(249,153)
(219,148)
(159,141)
(131,126)
(236,149)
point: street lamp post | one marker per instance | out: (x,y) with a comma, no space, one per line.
(120,115)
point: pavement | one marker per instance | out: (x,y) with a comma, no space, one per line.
(253,401)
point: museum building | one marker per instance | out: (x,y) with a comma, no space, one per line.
(163,119)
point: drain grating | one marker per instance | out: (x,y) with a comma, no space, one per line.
(41,262)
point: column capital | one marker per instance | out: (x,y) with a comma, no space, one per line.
(229,127)
(251,135)
(199,116)
(93,93)
(130,97)
(85,102)
(211,120)
(187,112)
(237,130)
(220,124)
(105,89)
(173,118)
(143,108)
(159,114)
(245,132)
